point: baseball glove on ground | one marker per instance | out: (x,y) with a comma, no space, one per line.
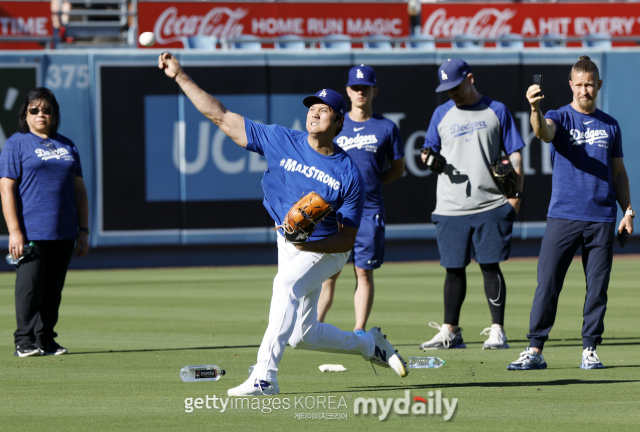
(303,217)
(505,176)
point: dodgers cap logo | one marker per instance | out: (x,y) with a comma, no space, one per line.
(327,97)
(451,73)
(362,75)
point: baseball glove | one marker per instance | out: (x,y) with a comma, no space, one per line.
(435,161)
(303,217)
(505,176)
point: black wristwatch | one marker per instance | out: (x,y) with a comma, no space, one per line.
(518,195)
(84,229)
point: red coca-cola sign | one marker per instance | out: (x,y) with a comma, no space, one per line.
(531,19)
(20,19)
(173,22)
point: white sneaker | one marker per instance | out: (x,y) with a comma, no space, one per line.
(385,355)
(590,360)
(445,339)
(497,338)
(254,387)
(529,360)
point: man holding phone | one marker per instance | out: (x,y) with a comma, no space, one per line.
(588,177)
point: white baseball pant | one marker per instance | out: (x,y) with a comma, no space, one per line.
(293,316)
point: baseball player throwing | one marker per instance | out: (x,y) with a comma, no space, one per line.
(298,163)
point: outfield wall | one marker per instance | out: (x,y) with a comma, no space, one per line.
(158,173)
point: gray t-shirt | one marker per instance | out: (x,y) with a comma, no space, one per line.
(471,138)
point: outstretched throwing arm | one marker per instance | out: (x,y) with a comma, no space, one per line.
(230,123)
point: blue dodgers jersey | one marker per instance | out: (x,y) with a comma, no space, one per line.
(295,169)
(46,184)
(470,137)
(369,144)
(581,152)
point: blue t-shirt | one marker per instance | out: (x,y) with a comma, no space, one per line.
(295,169)
(471,138)
(369,144)
(45,175)
(581,152)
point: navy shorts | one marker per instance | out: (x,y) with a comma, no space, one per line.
(488,234)
(368,251)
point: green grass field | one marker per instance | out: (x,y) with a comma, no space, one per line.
(130,331)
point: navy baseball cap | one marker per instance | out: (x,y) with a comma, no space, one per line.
(328,97)
(451,73)
(362,75)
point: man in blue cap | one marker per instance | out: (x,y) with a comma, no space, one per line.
(471,132)
(370,140)
(298,163)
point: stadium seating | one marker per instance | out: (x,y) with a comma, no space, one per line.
(598,40)
(336,42)
(551,40)
(290,42)
(376,42)
(420,42)
(201,42)
(245,42)
(510,41)
(466,42)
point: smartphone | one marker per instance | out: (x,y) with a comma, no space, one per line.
(537,79)
(623,238)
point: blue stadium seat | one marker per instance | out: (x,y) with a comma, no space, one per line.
(245,42)
(290,42)
(421,42)
(336,42)
(551,40)
(510,41)
(599,40)
(376,42)
(466,42)
(201,42)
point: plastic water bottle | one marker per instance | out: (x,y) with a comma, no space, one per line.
(28,248)
(201,373)
(425,362)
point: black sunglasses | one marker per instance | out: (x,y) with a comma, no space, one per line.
(35,111)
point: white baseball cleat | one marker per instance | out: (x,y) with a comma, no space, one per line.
(497,338)
(445,339)
(590,360)
(254,387)
(385,355)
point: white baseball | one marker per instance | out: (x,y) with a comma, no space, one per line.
(147,39)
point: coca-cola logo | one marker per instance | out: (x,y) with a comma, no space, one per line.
(219,22)
(486,23)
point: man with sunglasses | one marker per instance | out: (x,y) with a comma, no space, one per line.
(471,131)
(44,201)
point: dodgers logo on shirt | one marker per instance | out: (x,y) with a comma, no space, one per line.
(59,153)
(359,141)
(590,137)
(459,130)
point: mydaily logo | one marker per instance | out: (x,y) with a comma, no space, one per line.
(405,405)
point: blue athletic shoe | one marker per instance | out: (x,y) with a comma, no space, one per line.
(590,359)
(360,332)
(529,360)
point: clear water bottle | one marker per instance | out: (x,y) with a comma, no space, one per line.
(201,373)
(28,248)
(425,362)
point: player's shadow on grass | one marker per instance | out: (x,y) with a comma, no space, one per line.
(439,386)
(164,349)
(553,342)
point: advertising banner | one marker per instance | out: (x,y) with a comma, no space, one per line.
(490,20)
(20,19)
(173,22)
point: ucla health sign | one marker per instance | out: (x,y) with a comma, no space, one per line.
(188,158)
